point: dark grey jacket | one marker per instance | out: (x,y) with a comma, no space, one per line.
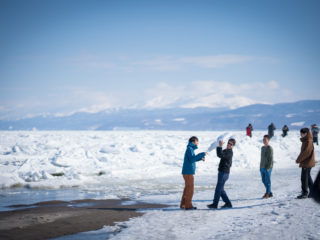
(271,129)
(315,131)
(266,157)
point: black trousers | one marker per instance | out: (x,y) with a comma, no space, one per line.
(315,140)
(306,180)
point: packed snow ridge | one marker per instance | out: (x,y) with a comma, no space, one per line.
(66,159)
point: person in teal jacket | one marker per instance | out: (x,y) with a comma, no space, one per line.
(188,170)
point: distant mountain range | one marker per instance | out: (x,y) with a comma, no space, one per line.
(295,115)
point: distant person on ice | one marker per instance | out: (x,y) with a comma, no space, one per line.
(271,129)
(306,161)
(285,130)
(188,170)
(266,165)
(249,130)
(223,174)
(315,132)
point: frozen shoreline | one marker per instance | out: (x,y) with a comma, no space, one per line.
(53,219)
(252,217)
(146,166)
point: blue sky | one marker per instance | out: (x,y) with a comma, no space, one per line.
(59,57)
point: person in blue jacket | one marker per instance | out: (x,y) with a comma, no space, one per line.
(188,170)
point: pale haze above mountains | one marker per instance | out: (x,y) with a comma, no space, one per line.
(295,115)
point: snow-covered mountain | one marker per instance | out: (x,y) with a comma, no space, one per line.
(295,115)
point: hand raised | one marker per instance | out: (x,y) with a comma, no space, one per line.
(221,143)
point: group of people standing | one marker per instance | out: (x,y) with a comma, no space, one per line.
(285,130)
(189,167)
(306,161)
(271,129)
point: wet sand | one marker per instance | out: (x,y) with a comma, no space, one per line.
(57,218)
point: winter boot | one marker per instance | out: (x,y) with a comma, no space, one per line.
(213,206)
(192,208)
(302,196)
(227,205)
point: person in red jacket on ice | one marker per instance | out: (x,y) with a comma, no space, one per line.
(249,130)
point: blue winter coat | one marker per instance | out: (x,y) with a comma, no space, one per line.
(190,159)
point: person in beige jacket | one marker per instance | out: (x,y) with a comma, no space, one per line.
(306,161)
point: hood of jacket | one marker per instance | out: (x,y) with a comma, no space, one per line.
(192,145)
(306,138)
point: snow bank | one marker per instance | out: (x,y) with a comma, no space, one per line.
(67,159)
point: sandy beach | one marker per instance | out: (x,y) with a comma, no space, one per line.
(52,219)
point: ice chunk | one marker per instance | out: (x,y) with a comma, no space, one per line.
(216,143)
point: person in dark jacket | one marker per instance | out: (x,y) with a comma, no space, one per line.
(266,165)
(306,161)
(223,174)
(285,131)
(249,130)
(271,129)
(188,170)
(315,191)
(315,132)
